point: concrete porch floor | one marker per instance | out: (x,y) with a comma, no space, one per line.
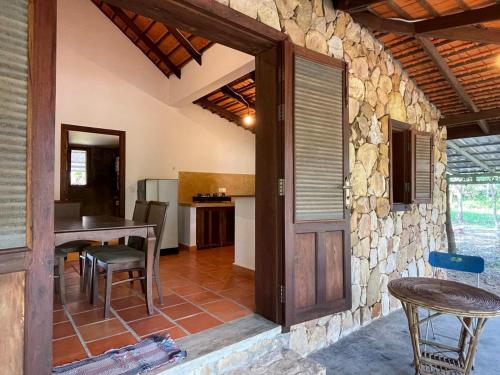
(384,348)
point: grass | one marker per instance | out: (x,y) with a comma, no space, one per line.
(475,218)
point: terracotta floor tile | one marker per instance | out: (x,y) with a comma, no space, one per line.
(67,350)
(187,290)
(237,292)
(226,310)
(181,311)
(81,306)
(169,300)
(203,297)
(174,332)
(59,316)
(134,313)
(198,323)
(89,317)
(247,301)
(101,330)
(114,342)
(126,302)
(218,286)
(150,325)
(61,330)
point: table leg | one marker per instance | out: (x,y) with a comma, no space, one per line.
(474,340)
(464,334)
(149,269)
(414,333)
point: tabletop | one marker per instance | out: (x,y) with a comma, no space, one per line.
(446,296)
(92,223)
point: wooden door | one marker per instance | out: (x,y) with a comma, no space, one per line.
(317,279)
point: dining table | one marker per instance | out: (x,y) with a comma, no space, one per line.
(470,305)
(105,228)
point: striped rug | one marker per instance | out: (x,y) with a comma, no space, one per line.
(147,355)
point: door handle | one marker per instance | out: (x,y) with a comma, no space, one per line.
(347,193)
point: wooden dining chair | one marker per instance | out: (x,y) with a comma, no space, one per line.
(140,215)
(67,211)
(125,258)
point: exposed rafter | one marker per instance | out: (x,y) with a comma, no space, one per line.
(144,38)
(468,156)
(470,117)
(467,33)
(469,17)
(227,90)
(230,116)
(353,5)
(445,70)
(195,54)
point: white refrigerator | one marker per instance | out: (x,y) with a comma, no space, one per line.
(163,190)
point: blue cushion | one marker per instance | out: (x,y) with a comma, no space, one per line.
(456,262)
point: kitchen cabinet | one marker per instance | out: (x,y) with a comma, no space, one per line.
(214,226)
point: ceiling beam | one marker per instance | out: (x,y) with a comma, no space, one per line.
(466,18)
(469,131)
(445,70)
(145,39)
(354,5)
(183,41)
(229,91)
(466,33)
(470,117)
(468,156)
(214,21)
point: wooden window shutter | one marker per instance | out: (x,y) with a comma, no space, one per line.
(318,125)
(423,167)
(317,279)
(13,120)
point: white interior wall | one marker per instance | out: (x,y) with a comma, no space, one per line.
(104,81)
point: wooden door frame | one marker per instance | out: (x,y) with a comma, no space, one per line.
(65,129)
(209,19)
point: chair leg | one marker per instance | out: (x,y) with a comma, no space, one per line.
(156,271)
(81,261)
(130,276)
(62,283)
(95,281)
(107,298)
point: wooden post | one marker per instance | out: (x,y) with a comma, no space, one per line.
(450,235)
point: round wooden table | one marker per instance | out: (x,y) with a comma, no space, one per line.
(472,306)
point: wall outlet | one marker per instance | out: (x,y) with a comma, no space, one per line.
(222,190)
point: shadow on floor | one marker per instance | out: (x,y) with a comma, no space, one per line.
(384,348)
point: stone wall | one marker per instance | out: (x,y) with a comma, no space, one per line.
(385,245)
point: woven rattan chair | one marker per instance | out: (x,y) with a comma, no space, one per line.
(126,258)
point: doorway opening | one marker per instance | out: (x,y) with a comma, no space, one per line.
(93,169)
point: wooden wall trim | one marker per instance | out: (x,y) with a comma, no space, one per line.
(41,120)
(14,260)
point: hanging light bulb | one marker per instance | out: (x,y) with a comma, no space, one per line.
(248,120)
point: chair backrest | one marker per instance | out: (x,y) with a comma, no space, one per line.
(67,210)
(157,215)
(456,262)
(140,215)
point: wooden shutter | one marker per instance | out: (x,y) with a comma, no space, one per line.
(423,167)
(13,120)
(317,251)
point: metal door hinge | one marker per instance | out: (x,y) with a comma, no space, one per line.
(281,112)
(282,294)
(407,187)
(281,187)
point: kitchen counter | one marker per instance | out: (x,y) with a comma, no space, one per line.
(206,204)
